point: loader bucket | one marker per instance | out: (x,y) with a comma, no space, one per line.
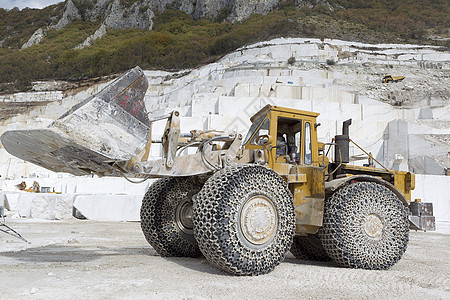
(108,127)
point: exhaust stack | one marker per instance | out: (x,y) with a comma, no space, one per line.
(343,142)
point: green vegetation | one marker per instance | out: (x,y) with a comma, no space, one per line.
(179,42)
(16,26)
(408,18)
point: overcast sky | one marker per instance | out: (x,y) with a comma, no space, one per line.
(8,4)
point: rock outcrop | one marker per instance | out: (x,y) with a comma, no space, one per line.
(118,14)
(70,14)
(36,38)
(242,9)
(135,16)
(91,39)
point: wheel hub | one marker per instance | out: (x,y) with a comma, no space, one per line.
(184,217)
(373,226)
(258,220)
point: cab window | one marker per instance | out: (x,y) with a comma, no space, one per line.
(263,130)
(308,146)
(252,129)
(289,138)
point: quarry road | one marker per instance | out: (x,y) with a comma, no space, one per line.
(110,260)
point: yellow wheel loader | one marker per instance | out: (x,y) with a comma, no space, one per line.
(390,78)
(242,202)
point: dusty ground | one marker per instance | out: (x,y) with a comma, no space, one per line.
(93,260)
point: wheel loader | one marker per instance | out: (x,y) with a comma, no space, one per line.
(390,78)
(241,201)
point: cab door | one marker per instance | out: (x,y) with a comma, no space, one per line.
(296,158)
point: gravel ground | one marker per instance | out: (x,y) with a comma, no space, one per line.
(104,260)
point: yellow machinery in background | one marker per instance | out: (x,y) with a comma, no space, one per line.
(390,78)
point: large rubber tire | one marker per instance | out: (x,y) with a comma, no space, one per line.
(309,248)
(166,213)
(244,219)
(365,226)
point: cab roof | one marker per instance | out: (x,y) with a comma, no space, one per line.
(263,111)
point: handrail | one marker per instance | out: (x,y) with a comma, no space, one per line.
(370,155)
(340,156)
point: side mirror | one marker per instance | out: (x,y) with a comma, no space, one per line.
(264,139)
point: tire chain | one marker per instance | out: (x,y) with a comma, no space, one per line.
(217,219)
(343,236)
(309,248)
(158,217)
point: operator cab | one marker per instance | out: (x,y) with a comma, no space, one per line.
(283,135)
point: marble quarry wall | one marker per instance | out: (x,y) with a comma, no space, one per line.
(405,125)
